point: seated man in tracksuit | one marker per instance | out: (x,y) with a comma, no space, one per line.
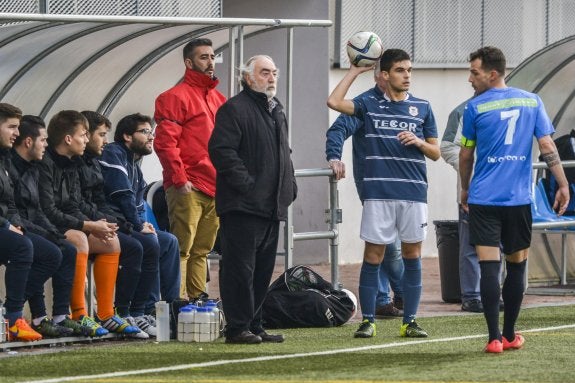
(54,257)
(60,198)
(125,186)
(140,250)
(16,250)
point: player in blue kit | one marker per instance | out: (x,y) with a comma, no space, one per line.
(499,125)
(400,133)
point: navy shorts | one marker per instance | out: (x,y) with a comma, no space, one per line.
(509,226)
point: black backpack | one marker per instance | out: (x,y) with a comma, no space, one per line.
(302,298)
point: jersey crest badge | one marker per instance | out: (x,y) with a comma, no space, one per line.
(413,111)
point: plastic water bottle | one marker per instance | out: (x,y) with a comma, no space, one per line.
(186,323)
(202,328)
(163,321)
(3,324)
(215,320)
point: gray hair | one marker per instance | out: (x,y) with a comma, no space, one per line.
(247,69)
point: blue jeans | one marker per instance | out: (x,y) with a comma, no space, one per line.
(469,272)
(129,272)
(390,274)
(168,281)
(50,261)
(17,253)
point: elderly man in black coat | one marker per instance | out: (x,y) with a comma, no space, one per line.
(255,184)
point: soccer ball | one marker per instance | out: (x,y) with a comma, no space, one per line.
(353,299)
(364,48)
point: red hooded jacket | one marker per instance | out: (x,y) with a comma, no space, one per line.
(185,120)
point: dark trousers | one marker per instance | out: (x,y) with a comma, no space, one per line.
(149,275)
(249,247)
(63,279)
(167,286)
(50,261)
(137,272)
(16,252)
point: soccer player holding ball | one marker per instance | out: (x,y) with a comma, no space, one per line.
(400,134)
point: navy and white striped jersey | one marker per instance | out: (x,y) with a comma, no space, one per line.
(394,171)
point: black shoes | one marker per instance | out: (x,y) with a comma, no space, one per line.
(472,306)
(248,337)
(244,337)
(269,338)
(388,311)
(475,306)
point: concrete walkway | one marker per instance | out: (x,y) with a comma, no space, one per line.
(431,301)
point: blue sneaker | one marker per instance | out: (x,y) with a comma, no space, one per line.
(95,328)
(119,326)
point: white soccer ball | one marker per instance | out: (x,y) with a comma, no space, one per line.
(364,48)
(353,299)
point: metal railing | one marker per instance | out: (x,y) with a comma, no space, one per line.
(334,218)
(563,227)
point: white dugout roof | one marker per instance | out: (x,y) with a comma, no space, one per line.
(550,73)
(54,62)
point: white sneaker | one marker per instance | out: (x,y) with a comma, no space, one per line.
(139,335)
(147,323)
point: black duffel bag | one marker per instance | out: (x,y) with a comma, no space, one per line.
(302,298)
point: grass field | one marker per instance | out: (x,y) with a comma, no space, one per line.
(452,353)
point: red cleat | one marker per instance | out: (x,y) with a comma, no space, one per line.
(494,347)
(516,344)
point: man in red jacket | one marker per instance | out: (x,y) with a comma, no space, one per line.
(185,120)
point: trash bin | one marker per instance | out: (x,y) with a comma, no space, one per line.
(447,235)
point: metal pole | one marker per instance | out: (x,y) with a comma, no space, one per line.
(334,220)
(337,35)
(44,6)
(543,165)
(413,26)
(232,46)
(288,228)
(563,259)
(240,53)
(227,21)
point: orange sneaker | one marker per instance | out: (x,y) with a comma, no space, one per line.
(516,344)
(22,331)
(494,347)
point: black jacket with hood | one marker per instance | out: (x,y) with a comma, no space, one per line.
(94,203)
(25,178)
(250,150)
(60,191)
(8,211)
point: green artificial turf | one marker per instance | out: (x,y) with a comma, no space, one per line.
(548,356)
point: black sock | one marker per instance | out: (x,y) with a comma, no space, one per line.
(490,293)
(513,289)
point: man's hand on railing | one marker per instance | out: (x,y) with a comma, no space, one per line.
(561,200)
(338,168)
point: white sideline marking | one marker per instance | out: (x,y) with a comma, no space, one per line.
(276,357)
